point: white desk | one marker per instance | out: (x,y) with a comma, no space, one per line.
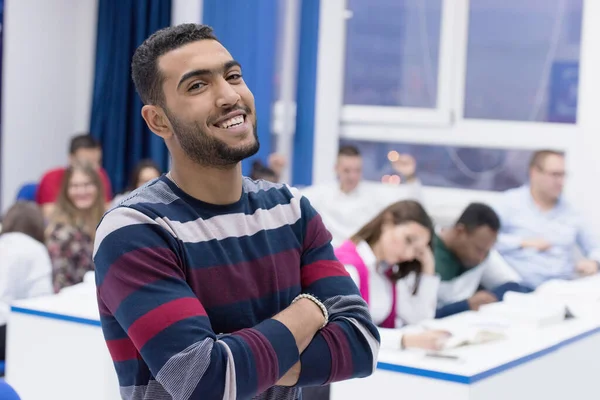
(554,362)
(55,349)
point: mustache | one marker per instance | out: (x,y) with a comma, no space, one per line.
(245,109)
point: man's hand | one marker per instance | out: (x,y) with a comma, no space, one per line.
(304,318)
(406,166)
(429,340)
(537,243)
(480,298)
(586,267)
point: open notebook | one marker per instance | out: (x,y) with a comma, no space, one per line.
(463,333)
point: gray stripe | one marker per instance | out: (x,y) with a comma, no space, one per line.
(152,391)
(230,392)
(353,304)
(233,225)
(251,186)
(182,373)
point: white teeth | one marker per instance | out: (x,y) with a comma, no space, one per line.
(235,121)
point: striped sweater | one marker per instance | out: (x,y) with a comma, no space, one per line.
(186,292)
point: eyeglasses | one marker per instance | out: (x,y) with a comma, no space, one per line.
(553,174)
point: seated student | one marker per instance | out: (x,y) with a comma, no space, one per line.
(84,149)
(391,261)
(541,231)
(144,172)
(350,203)
(464,260)
(25,267)
(72,225)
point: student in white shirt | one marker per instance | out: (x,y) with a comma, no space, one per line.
(465,261)
(25,267)
(392,263)
(350,203)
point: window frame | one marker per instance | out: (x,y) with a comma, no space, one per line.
(333,120)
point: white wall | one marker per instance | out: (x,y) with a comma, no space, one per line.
(48,67)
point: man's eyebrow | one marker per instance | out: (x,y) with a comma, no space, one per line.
(203,72)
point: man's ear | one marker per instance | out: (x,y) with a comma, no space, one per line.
(460,229)
(157,121)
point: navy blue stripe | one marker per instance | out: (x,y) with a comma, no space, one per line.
(187,208)
(235,250)
(111,328)
(245,366)
(60,317)
(128,239)
(132,372)
(149,297)
(250,313)
(362,361)
(318,356)
(319,254)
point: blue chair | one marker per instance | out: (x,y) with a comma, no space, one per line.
(27,192)
(7,392)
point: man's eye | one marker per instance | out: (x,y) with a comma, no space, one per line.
(196,86)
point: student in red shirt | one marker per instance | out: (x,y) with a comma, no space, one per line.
(84,149)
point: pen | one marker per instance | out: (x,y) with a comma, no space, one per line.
(444,356)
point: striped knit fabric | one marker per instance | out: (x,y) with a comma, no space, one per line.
(186,292)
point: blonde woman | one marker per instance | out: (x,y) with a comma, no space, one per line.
(70,234)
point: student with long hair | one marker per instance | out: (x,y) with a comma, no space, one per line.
(144,171)
(78,210)
(25,268)
(391,260)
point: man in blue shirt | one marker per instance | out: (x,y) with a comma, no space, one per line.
(540,231)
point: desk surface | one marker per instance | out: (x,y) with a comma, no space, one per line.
(78,305)
(479,362)
(75,304)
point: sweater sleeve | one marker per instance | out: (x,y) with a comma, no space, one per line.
(349,345)
(149,312)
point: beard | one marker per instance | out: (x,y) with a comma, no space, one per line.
(206,150)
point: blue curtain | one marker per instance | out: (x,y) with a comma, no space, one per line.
(302,164)
(248,30)
(116,121)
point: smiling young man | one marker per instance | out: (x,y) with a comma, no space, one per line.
(211,285)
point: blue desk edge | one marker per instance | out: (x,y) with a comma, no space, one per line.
(469,380)
(463,379)
(61,317)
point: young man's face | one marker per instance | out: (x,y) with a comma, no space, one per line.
(208,105)
(349,171)
(473,247)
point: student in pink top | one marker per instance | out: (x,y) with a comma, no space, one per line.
(391,260)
